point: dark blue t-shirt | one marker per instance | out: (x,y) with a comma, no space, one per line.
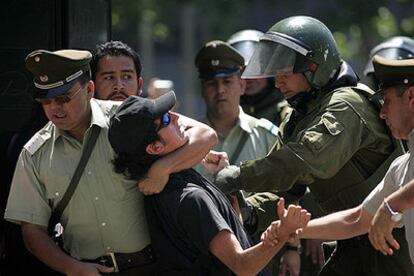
(184,218)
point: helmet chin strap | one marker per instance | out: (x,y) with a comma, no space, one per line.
(298,102)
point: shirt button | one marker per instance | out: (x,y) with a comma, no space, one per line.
(57,194)
(108,248)
(96,198)
(103,224)
(89,173)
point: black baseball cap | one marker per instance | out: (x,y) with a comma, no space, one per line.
(134,118)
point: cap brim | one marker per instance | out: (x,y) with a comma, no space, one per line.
(220,74)
(163,104)
(54,92)
(377,95)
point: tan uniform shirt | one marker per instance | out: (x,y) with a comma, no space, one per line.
(400,172)
(261,137)
(106,211)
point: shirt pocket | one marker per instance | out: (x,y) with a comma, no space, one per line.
(322,134)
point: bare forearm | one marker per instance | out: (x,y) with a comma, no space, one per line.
(227,249)
(252,260)
(201,140)
(402,199)
(340,225)
(39,244)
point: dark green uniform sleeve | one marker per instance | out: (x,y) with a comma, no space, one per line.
(321,145)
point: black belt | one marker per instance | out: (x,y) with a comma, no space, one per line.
(124,261)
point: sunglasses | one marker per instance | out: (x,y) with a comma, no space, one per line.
(61,99)
(165,121)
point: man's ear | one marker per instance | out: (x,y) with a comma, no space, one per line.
(155,148)
(91,89)
(243,84)
(140,82)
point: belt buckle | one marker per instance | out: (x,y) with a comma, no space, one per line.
(114,263)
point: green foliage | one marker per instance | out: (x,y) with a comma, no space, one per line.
(357,25)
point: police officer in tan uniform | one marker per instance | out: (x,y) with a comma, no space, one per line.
(333,141)
(104,221)
(241,136)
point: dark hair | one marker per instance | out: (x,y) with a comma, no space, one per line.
(114,48)
(135,165)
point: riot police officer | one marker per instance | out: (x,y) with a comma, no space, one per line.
(333,141)
(261,98)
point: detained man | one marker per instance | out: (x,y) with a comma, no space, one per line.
(192,224)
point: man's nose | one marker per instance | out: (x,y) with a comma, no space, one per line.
(279,81)
(221,88)
(119,84)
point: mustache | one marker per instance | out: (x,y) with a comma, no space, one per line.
(113,93)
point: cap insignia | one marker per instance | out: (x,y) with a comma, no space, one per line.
(44,78)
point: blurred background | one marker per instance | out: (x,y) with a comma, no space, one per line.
(168,33)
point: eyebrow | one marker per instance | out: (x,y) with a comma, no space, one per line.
(123,71)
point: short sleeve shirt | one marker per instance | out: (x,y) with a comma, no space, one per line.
(106,212)
(399,174)
(192,212)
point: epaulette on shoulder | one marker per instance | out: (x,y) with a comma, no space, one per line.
(37,141)
(107,107)
(269,126)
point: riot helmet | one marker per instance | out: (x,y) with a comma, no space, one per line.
(397,47)
(245,42)
(298,44)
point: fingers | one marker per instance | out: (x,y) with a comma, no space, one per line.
(269,237)
(321,256)
(281,208)
(379,243)
(282,268)
(104,269)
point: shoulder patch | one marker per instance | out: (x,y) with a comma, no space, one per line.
(36,142)
(269,126)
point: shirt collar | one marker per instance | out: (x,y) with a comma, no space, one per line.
(411,141)
(242,121)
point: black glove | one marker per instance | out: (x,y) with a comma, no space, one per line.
(227,180)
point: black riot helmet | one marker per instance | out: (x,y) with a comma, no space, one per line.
(298,44)
(397,47)
(245,42)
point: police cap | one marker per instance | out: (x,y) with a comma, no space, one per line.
(393,72)
(56,72)
(218,59)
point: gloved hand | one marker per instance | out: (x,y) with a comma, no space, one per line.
(227,180)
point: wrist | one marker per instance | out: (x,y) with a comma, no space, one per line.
(395,216)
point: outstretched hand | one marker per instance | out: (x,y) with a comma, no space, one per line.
(288,227)
(380,232)
(215,161)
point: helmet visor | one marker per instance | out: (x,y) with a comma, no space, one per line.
(269,60)
(246,48)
